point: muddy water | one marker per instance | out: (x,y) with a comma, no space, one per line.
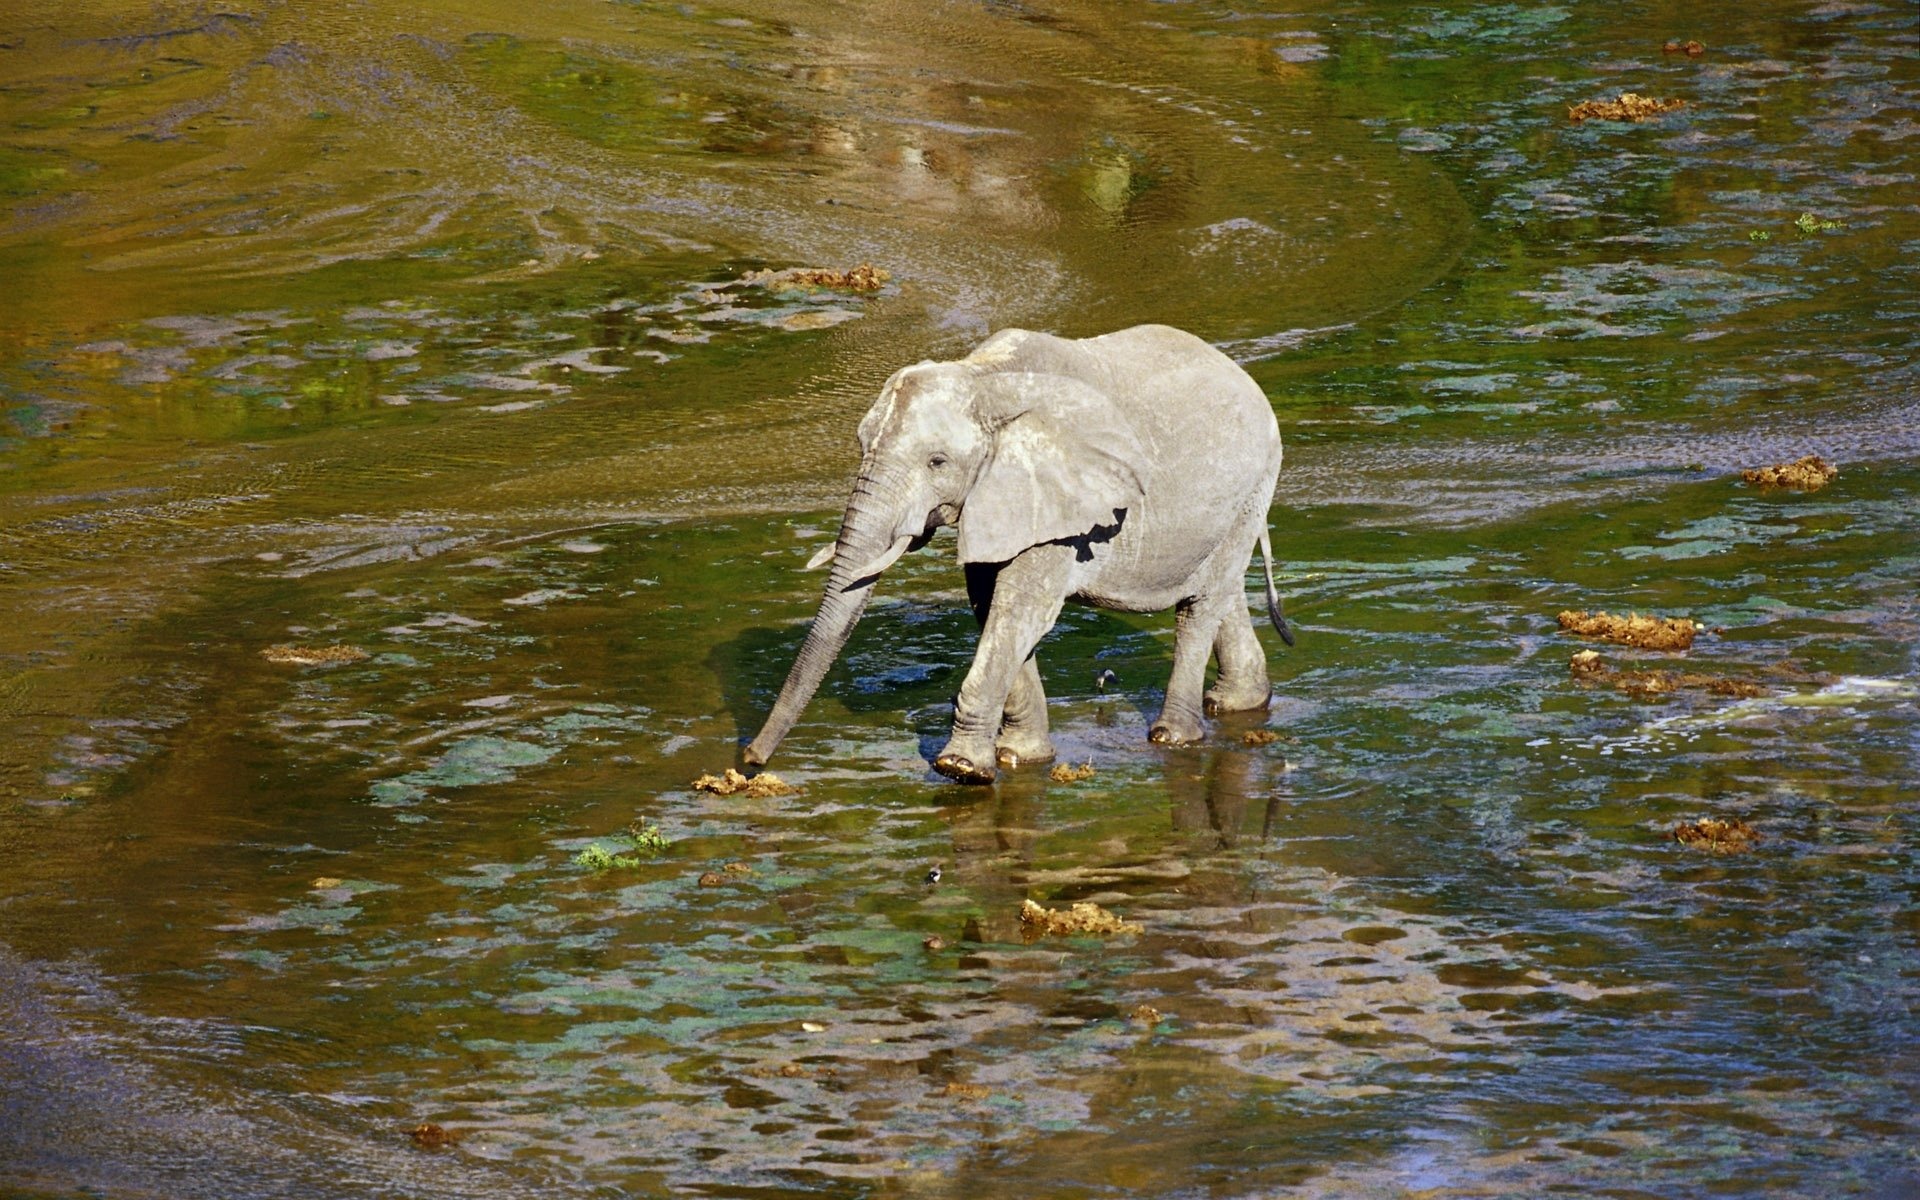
(431,335)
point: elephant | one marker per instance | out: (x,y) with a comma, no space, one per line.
(1128,471)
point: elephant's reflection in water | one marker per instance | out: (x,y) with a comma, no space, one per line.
(1169,842)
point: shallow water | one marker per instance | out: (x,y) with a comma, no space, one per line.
(428,335)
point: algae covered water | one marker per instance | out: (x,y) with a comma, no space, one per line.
(407,453)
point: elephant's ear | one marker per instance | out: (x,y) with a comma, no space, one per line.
(1064,461)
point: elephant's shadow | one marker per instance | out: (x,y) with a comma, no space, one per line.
(909,657)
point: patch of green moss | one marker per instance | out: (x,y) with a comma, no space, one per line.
(24,173)
(598,858)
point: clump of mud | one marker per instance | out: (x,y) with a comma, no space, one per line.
(429,1136)
(1083,918)
(1808,474)
(1587,665)
(1631,106)
(1261,737)
(1145,1014)
(1690,48)
(759,787)
(789,1070)
(968,1091)
(864,278)
(1646,633)
(1713,834)
(1069,773)
(313,656)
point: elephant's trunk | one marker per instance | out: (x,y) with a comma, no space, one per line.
(867,534)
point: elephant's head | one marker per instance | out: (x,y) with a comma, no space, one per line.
(1013,458)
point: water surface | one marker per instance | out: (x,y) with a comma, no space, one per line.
(429,334)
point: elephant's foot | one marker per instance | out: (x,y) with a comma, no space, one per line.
(966,758)
(962,769)
(1014,749)
(1175,731)
(1224,697)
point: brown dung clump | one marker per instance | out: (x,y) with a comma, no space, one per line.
(1068,773)
(759,787)
(864,278)
(1654,685)
(968,1091)
(1646,633)
(1631,106)
(429,1136)
(1259,737)
(1083,918)
(1808,474)
(313,656)
(1145,1014)
(1713,834)
(1691,49)
(712,879)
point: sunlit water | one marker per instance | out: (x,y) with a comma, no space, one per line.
(429,334)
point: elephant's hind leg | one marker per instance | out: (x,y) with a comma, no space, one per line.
(1243,684)
(1023,730)
(1196,624)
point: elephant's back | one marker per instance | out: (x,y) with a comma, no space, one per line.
(1196,406)
(1175,376)
(1214,452)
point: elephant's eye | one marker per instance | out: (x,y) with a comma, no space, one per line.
(937,461)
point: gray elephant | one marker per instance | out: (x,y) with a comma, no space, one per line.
(1130,471)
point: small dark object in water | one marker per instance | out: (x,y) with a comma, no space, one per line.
(1711,833)
(1145,1014)
(767,1070)
(1809,473)
(1104,677)
(1068,773)
(429,1136)
(1690,48)
(712,879)
(1259,737)
(1631,106)
(934,943)
(933,874)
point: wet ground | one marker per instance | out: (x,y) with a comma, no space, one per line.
(434,338)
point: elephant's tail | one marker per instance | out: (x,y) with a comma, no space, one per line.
(1273,596)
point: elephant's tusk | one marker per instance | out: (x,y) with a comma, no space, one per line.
(821,557)
(892,555)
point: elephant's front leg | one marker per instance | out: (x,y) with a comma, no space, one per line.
(1023,725)
(1027,594)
